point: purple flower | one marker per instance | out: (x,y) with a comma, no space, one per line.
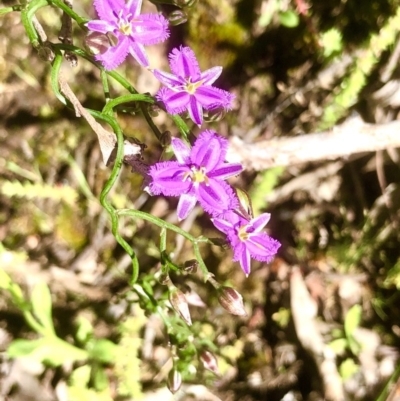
(187,88)
(197,175)
(247,239)
(131,30)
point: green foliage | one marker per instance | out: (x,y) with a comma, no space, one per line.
(347,338)
(41,306)
(332,42)
(289,18)
(352,85)
(28,190)
(263,185)
(127,361)
(48,350)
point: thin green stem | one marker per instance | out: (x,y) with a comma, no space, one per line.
(6,10)
(165,225)
(26,18)
(108,108)
(107,205)
(182,126)
(104,82)
(60,4)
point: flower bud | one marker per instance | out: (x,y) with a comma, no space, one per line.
(245,206)
(231,300)
(46,53)
(174,381)
(209,362)
(97,43)
(163,278)
(179,303)
(153,110)
(190,266)
(177,17)
(165,139)
(214,115)
(185,3)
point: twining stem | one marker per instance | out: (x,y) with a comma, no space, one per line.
(27,15)
(165,225)
(107,205)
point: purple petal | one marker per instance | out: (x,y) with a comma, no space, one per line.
(175,102)
(134,7)
(183,63)
(226,170)
(262,247)
(216,197)
(168,179)
(210,76)
(115,55)
(209,150)
(195,110)
(150,29)
(244,261)
(185,205)
(101,26)
(211,97)
(181,150)
(108,10)
(138,52)
(222,225)
(169,80)
(260,222)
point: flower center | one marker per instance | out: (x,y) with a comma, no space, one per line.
(125,24)
(191,87)
(197,175)
(242,233)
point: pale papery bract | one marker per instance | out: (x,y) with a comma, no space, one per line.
(198,175)
(186,88)
(247,238)
(131,30)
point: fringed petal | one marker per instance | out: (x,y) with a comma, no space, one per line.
(211,97)
(150,29)
(262,247)
(108,10)
(168,178)
(175,102)
(216,197)
(183,63)
(209,150)
(115,55)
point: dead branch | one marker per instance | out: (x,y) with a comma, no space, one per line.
(340,142)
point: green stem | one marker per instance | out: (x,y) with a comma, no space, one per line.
(6,10)
(107,205)
(108,108)
(26,18)
(104,82)
(165,225)
(60,4)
